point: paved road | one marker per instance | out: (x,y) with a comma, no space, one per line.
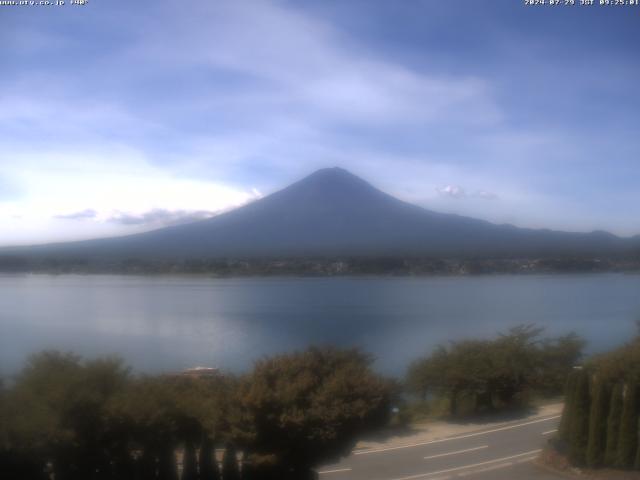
(502,452)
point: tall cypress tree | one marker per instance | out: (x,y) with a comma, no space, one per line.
(565,421)
(628,440)
(636,463)
(579,427)
(230,469)
(598,424)
(613,426)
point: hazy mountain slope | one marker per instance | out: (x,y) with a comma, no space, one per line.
(333,212)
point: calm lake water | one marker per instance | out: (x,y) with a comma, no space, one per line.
(168,323)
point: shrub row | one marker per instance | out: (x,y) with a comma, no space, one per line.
(69,419)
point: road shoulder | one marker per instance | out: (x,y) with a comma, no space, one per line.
(438,430)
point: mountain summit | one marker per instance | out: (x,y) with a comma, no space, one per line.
(335,213)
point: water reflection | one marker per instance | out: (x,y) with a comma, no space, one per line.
(160,323)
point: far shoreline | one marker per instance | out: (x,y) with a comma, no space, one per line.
(347,266)
(204,276)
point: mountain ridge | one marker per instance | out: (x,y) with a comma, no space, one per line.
(335,213)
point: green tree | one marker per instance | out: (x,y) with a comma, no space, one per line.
(56,414)
(310,407)
(495,373)
(148,410)
(621,364)
(598,424)
(613,425)
(163,413)
(167,465)
(427,375)
(564,429)
(17,462)
(97,449)
(462,371)
(516,362)
(628,440)
(579,429)
(248,469)
(189,462)
(230,469)
(558,356)
(636,463)
(208,463)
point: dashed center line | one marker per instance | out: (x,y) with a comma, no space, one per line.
(456,452)
(549,432)
(466,467)
(337,470)
(494,467)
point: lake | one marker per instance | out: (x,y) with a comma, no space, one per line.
(170,323)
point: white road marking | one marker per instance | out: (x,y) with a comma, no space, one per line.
(466,467)
(495,467)
(456,452)
(548,432)
(460,437)
(486,469)
(337,470)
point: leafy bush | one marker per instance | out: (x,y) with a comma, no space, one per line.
(92,419)
(310,407)
(497,373)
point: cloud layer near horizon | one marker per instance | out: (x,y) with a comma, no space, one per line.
(124,110)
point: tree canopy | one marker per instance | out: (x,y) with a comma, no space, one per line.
(496,372)
(309,407)
(95,420)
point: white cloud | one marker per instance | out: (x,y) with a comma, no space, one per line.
(101,147)
(453,191)
(62,191)
(300,66)
(82,215)
(184,99)
(485,195)
(160,217)
(458,192)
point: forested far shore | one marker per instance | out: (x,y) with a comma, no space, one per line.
(392,265)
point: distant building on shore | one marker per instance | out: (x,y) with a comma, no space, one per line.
(201,372)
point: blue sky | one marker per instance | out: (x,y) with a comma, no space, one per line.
(117,116)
